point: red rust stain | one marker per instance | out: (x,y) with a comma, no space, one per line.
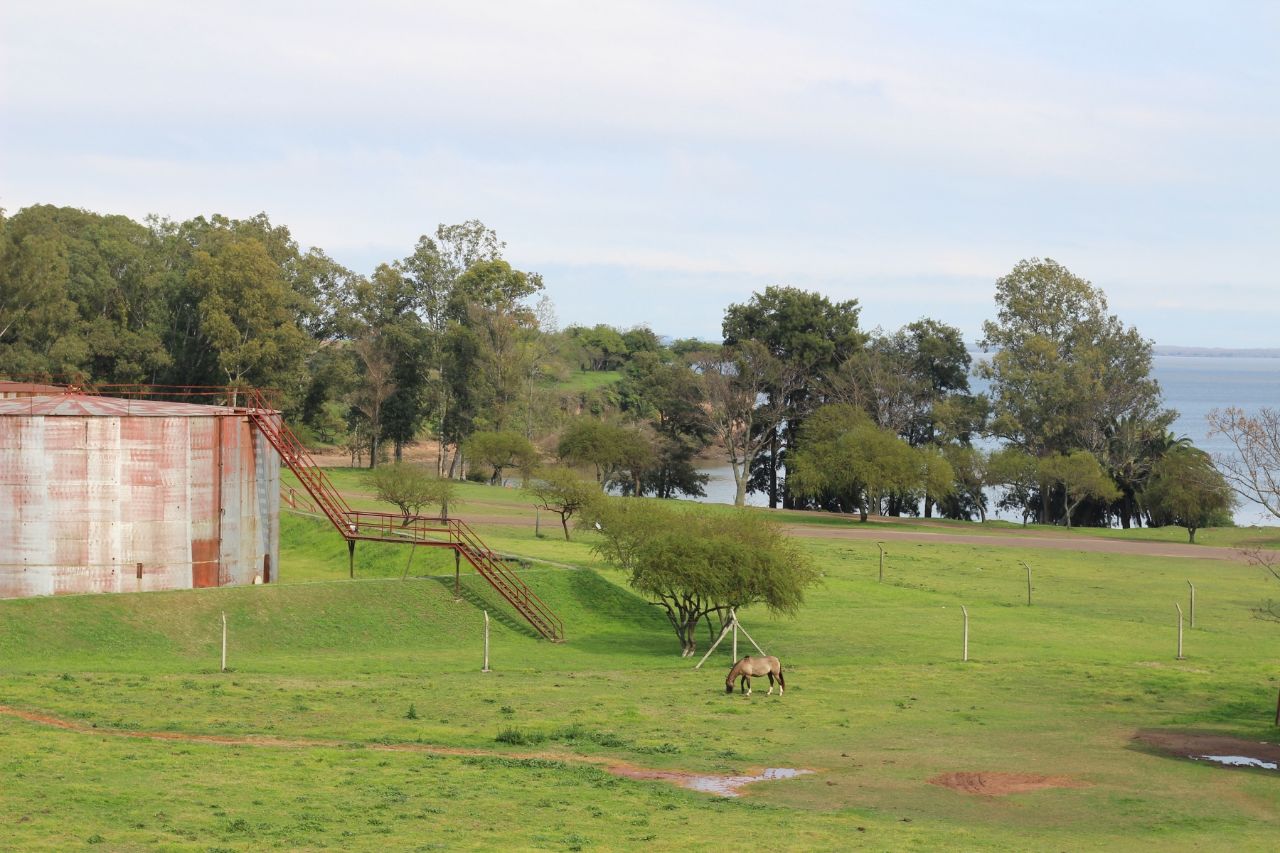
(204,563)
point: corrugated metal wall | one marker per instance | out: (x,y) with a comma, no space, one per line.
(84,500)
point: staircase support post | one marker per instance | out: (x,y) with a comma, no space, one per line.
(351,558)
(457,576)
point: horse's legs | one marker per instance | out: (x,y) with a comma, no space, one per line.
(770,693)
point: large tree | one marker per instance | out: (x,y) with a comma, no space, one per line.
(695,564)
(810,336)
(1062,368)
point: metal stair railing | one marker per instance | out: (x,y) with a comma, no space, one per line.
(495,570)
(388,527)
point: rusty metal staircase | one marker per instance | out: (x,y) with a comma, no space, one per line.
(361,525)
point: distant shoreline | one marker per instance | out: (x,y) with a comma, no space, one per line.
(1214,352)
(1173,351)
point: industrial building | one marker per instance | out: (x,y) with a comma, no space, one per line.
(106,494)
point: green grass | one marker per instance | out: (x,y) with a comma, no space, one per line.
(878,702)
(586,380)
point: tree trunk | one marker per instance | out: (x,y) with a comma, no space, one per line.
(564,522)
(773,470)
(373,451)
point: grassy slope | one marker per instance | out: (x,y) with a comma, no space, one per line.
(878,702)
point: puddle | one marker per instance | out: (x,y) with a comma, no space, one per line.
(1239,761)
(1222,750)
(727,786)
(721,786)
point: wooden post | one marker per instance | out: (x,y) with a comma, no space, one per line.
(734,622)
(537,523)
(1278,709)
(1179,606)
(880,545)
(966,632)
(1028,568)
(224,641)
(486,642)
(457,576)
(351,558)
(1192,614)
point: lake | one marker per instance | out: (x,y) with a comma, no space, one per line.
(1192,385)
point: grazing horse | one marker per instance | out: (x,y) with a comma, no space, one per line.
(749,666)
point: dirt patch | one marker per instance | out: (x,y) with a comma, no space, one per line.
(999,784)
(725,786)
(1219,749)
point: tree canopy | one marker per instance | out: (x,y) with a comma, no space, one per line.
(695,564)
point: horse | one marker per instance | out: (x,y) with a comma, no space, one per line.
(753,666)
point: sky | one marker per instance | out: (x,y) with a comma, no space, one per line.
(657,161)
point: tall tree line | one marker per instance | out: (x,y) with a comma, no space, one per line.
(804,404)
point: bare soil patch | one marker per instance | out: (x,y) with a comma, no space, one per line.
(1203,746)
(999,784)
(721,785)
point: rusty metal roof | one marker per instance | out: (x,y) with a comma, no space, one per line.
(90,405)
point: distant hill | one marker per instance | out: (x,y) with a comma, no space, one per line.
(1215,352)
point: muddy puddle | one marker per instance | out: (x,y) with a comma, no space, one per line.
(1222,750)
(721,786)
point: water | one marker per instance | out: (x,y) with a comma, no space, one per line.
(1239,761)
(727,786)
(1193,386)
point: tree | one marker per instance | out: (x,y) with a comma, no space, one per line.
(502,450)
(375,385)
(1019,473)
(1080,475)
(563,492)
(410,487)
(607,448)
(1186,489)
(694,564)
(735,380)
(1254,470)
(809,336)
(973,476)
(433,269)
(1063,368)
(845,462)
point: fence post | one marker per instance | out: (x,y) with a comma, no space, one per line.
(486,642)
(880,545)
(1028,568)
(965,611)
(1179,606)
(224,641)
(1193,603)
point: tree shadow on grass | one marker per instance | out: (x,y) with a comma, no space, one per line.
(487,598)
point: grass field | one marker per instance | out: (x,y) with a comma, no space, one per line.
(334,727)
